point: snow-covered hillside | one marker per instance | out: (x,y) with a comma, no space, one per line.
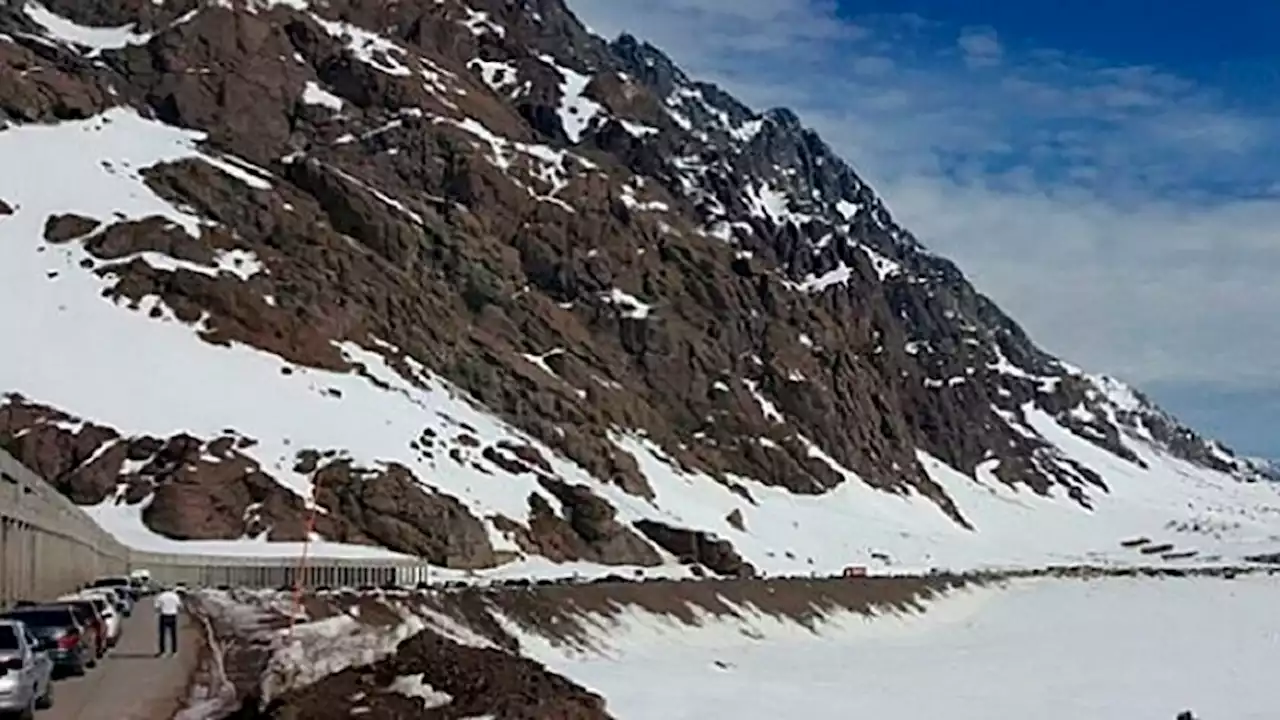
(208,331)
(1111,649)
(1106,647)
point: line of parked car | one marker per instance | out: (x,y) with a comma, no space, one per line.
(41,642)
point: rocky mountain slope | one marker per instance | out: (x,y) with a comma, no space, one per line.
(1266,467)
(499,292)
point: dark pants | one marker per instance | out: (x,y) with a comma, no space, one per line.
(169,633)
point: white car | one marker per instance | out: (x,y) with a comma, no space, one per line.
(107,607)
(122,598)
(140,579)
(26,671)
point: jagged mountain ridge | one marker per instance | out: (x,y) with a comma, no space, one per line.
(480,190)
(819,251)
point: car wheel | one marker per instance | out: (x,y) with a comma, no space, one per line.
(46,701)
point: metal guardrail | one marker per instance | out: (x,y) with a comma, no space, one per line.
(49,546)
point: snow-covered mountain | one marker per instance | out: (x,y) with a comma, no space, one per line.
(502,294)
(1266,467)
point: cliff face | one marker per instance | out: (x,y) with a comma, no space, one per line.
(474,258)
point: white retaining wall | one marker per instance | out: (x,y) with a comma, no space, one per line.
(48,546)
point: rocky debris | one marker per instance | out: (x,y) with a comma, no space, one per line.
(5,208)
(184,71)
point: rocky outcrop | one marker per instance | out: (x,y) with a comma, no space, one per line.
(50,443)
(586,529)
(41,83)
(389,507)
(69,226)
(201,490)
(699,548)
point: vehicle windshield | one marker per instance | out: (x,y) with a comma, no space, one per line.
(8,638)
(100,604)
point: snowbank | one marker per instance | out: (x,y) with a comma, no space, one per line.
(1047,648)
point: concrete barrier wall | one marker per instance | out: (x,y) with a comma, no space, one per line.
(48,546)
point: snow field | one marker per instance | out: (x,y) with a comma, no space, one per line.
(1110,649)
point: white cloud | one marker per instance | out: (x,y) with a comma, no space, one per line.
(980,47)
(1127,216)
(738,27)
(872,65)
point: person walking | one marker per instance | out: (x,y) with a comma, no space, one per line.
(168,605)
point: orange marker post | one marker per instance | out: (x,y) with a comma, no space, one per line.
(302,560)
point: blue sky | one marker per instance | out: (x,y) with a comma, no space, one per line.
(1111,179)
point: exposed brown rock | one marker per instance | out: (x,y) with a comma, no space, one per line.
(392,508)
(697,547)
(527,454)
(61,228)
(41,84)
(587,531)
(185,71)
(195,498)
(481,682)
(734,518)
(198,490)
(50,443)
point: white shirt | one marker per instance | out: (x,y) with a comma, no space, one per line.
(168,603)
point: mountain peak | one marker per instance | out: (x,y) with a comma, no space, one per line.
(784,117)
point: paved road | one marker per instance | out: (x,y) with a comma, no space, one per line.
(131,683)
